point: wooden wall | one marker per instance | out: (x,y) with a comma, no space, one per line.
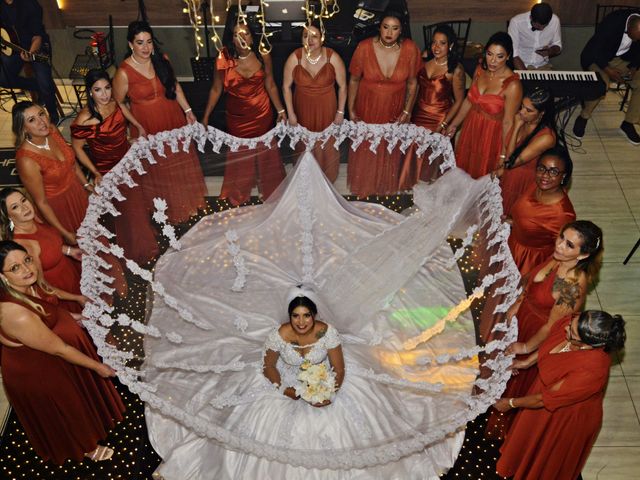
(169,12)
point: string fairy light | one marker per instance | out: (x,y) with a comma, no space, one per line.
(193,9)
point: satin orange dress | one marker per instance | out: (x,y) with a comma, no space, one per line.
(177,177)
(554,442)
(532,315)
(59,270)
(435,99)
(315,103)
(379,100)
(62,188)
(480,143)
(535,228)
(107,142)
(249,114)
(515,181)
(64,409)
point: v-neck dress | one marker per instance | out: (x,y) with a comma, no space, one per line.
(379,100)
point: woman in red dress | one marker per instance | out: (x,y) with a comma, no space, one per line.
(102,126)
(48,170)
(156,103)
(541,211)
(315,70)
(533,132)
(560,416)
(488,110)
(59,263)
(382,89)
(246,75)
(51,373)
(555,288)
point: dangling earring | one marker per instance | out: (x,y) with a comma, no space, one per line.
(11,225)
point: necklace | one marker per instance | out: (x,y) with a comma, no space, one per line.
(314,60)
(133,59)
(240,57)
(385,45)
(40,147)
(446,59)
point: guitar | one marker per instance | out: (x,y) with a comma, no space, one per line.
(9,48)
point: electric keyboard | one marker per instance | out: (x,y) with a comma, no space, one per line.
(565,84)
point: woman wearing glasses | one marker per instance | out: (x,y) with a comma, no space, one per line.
(53,377)
(541,211)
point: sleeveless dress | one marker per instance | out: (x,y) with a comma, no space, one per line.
(315,104)
(535,228)
(59,270)
(107,142)
(62,188)
(249,115)
(177,177)
(532,315)
(64,409)
(515,181)
(379,100)
(554,442)
(480,143)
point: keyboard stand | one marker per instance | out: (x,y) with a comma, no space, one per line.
(633,250)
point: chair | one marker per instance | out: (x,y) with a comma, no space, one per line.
(601,12)
(460,27)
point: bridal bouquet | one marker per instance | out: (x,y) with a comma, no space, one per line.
(316,382)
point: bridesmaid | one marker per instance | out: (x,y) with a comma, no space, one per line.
(101,125)
(314,70)
(48,170)
(533,132)
(441,83)
(540,212)
(57,262)
(151,98)
(488,110)
(382,89)
(246,76)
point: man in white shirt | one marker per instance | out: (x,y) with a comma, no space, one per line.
(536,38)
(614,52)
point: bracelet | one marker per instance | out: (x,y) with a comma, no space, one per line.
(444,124)
(405,112)
(86,185)
(502,157)
(526,350)
(68,251)
(340,112)
(187,110)
(511,403)
(280,111)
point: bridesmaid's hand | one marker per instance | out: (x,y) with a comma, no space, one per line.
(338,119)
(282,116)
(97,178)
(293,120)
(70,238)
(451,131)
(403,117)
(75,253)
(191,118)
(502,405)
(517,348)
(82,300)
(105,371)
(353,116)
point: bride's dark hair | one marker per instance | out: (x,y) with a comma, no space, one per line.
(303,302)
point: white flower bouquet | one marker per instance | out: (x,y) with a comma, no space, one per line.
(316,382)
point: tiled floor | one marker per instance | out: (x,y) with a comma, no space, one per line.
(606,190)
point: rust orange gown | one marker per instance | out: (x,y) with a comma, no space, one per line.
(316,104)
(64,409)
(249,115)
(59,270)
(177,177)
(107,142)
(515,181)
(554,442)
(480,143)
(535,228)
(64,192)
(379,100)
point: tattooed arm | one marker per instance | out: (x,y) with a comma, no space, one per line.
(570,294)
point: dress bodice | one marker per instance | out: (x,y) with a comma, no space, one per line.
(491,104)
(435,98)
(290,354)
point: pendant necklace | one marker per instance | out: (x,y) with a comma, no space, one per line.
(385,45)
(40,147)
(313,61)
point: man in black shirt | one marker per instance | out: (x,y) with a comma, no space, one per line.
(22,20)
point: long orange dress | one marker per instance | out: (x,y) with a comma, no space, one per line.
(315,104)
(532,315)
(108,143)
(62,187)
(177,177)
(480,143)
(515,181)
(535,228)
(59,270)
(554,442)
(379,100)
(64,409)
(249,114)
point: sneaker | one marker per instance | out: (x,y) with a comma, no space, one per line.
(579,126)
(629,131)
